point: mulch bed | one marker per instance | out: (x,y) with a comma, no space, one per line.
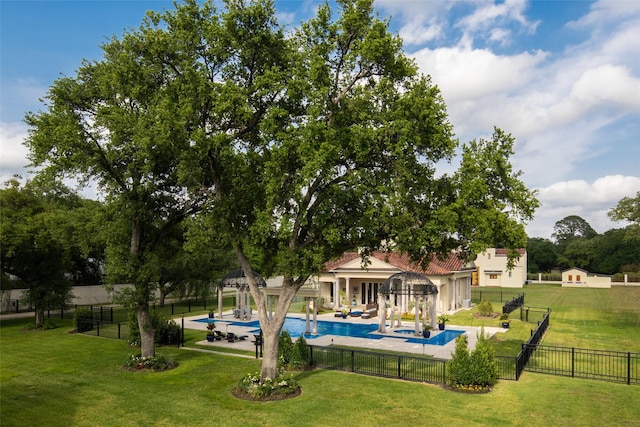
(246,396)
(483,390)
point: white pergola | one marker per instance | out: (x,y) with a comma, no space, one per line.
(413,284)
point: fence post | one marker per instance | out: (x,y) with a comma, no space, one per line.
(182,334)
(111,313)
(628,368)
(399,365)
(353,362)
(98,328)
(310,355)
(573,362)
(118,330)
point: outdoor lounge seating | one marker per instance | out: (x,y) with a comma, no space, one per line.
(370,311)
(218,335)
(231,337)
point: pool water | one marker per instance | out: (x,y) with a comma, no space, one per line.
(297,327)
(440,339)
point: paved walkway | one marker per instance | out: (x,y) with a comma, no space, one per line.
(390,341)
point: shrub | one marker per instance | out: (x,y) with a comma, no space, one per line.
(485,308)
(285,348)
(483,362)
(459,365)
(167,331)
(475,371)
(300,353)
(83,319)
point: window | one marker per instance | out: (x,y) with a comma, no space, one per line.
(509,274)
(577,277)
(571,277)
(493,276)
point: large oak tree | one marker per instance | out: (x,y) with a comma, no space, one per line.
(304,146)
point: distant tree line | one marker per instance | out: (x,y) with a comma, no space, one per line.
(576,244)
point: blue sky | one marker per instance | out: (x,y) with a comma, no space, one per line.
(563,77)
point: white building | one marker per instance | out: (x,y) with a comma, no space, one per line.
(492,269)
(347,281)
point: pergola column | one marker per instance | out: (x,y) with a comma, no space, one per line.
(382,313)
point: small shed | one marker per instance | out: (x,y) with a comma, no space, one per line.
(579,278)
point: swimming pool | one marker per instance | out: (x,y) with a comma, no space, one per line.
(297,327)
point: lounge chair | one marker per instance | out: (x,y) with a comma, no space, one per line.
(231,337)
(218,335)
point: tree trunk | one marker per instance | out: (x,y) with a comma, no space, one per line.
(270,327)
(162,296)
(39,316)
(147,333)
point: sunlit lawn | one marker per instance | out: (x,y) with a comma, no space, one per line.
(55,378)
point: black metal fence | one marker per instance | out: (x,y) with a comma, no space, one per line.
(513,304)
(412,368)
(614,366)
(478,294)
(117,330)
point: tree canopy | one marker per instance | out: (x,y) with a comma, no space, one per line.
(49,242)
(628,209)
(293,149)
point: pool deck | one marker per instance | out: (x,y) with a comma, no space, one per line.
(390,341)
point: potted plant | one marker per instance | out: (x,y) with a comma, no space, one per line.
(426,330)
(504,320)
(442,319)
(211,327)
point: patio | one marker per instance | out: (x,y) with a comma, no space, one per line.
(388,341)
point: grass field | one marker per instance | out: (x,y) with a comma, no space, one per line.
(53,378)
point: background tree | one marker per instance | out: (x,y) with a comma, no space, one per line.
(48,243)
(119,121)
(542,255)
(616,253)
(628,209)
(570,228)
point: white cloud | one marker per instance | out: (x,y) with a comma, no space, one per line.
(464,74)
(13,154)
(490,13)
(604,12)
(591,201)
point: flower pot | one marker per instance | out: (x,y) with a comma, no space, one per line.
(441,326)
(426,334)
(210,338)
(505,325)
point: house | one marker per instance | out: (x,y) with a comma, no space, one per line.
(347,281)
(492,269)
(579,278)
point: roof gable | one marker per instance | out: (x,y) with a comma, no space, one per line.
(438,266)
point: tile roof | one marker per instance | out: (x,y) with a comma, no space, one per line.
(437,267)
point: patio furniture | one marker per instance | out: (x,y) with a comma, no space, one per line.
(231,337)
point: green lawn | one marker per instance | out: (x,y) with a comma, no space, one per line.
(55,378)
(601,319)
